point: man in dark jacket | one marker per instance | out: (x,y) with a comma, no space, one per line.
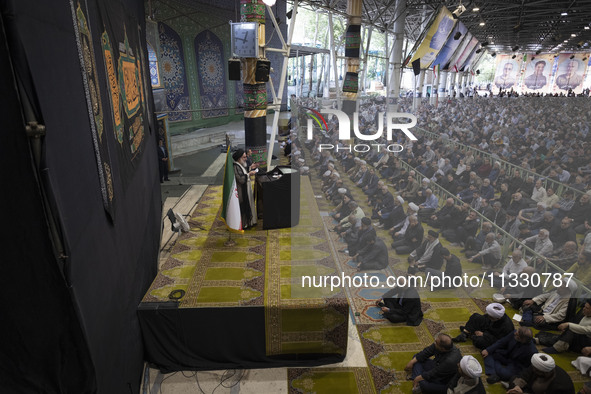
(443,215)
(402,305)
(484,330)
(374,257)
(509,355)
(426,255)
(366,234)
(453,268)
(412,238)
(162,161)
(543,376)
(433,375)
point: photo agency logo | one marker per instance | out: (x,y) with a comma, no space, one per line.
(345,130)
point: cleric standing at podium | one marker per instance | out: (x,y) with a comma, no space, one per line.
(244,187)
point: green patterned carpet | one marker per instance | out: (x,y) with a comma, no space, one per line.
(263,268)
(388,347)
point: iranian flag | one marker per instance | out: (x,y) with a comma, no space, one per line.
(230,204)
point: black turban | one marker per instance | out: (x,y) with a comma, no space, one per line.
(237,154)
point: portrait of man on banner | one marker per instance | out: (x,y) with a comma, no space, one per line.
(507,77)
(569,75)
(536,80)
(440,37)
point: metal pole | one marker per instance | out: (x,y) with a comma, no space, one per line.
(333,56)
(362,84)
(396,76)
(279,96)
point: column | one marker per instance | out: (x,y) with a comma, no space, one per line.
(255,93)
(396,58)
(352,49)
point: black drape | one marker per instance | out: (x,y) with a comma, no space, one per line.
(71,325)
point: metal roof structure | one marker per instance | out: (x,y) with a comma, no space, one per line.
(529,25)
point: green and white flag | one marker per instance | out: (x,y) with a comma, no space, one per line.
(230,204)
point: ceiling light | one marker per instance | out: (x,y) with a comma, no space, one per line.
(573,35)
(565,41)
(563,13)
(482,23)
(586,27)
(270,3)
(475,9)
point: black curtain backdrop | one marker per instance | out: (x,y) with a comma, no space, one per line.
(71,326)
(42,346)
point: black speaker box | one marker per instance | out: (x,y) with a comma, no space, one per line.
(234,70)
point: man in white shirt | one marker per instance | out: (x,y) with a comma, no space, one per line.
(539,193)
(548,310)
(542,244)
(490,253)
(515,265)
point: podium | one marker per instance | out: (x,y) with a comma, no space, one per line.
(278,197)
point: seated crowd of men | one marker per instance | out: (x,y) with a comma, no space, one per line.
(534,216)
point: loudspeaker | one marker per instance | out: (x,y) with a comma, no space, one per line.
(262,71)
(416,66)
(234,70)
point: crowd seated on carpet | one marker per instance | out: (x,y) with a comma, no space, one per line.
(495,214)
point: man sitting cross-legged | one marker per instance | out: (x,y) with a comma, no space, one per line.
(542,376)
(432,375)
(575,336)
(428,255)
(402,304)
(509,355)
(548,310)
(486,329)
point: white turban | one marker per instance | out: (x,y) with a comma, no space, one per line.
(413,206)
(305,168)
(342,190)
(543,362)
(426,180)
(363,162)
(471,366)
(336,174)
(327,173)
(400,200)
(297,152)
(301,160)
(495,310)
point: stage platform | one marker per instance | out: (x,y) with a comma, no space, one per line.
(244,306)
